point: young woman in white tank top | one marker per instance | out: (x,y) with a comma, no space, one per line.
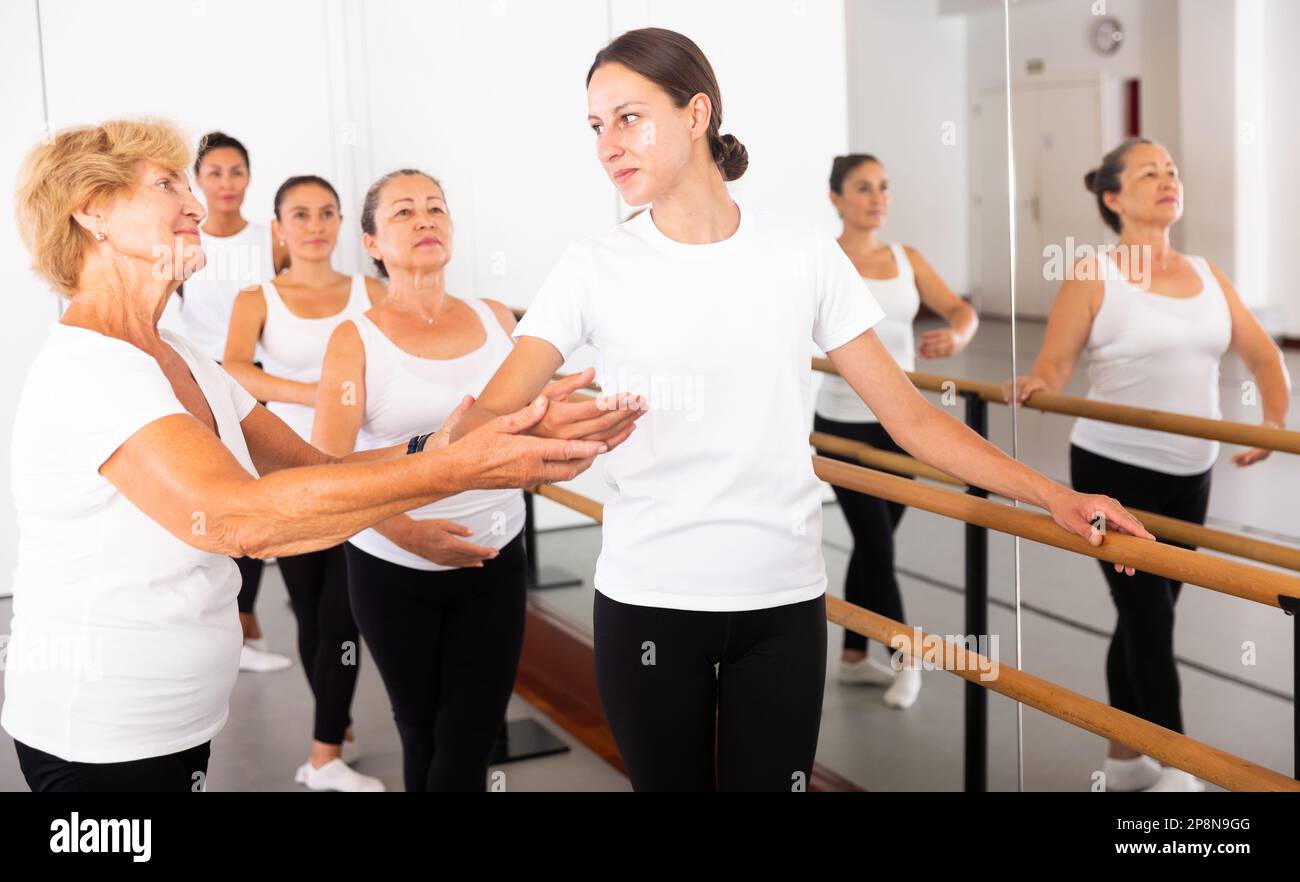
(439,592)
(900,280)
(1155,324)
(238,253)
(291,319)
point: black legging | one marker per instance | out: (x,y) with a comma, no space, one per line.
(871,582)
(250,572)
(669,710)
(1141,672)
(185,771)
(447,646)
(328,640)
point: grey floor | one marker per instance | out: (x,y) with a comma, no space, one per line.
(1065,623)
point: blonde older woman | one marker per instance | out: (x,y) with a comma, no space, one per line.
(140,467)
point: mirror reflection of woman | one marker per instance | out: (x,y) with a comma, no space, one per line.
(290,319)
(901,280)
(1155,324)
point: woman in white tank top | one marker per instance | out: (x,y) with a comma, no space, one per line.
(290,319)
(900,279)
(1155,324)
(439,592)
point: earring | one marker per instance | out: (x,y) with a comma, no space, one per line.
(99,234)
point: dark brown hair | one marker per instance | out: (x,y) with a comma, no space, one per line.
(371,203)
(675,64)
(843,166)
(214,140)
(298,181)
(1105,179)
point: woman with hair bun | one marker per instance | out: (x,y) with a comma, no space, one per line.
(1155,324)
(710,615)
(900,279)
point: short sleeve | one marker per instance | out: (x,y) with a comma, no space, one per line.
(560,314)
(845,306)
(110,401)
(240,397)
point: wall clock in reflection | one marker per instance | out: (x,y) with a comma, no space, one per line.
(1107,36)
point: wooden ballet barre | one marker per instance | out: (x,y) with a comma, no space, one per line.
(1229,577)
(1167,528)
(1192,756)
(1171,748)
(1248,435)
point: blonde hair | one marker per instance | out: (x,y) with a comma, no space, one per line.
(87,165)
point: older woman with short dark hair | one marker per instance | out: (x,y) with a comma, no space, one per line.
(140,467)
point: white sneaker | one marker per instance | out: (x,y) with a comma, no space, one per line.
(902,693)
(351,753)
(866,671)
(337,775)
(1176,781)
(260,661)
(1128,775)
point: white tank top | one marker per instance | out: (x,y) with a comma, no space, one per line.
(901,301)
(407,395)
(294,347)
(233,262)
(1150,350)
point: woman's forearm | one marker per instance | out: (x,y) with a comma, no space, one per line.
(938,439)
(265,387)
(295,511)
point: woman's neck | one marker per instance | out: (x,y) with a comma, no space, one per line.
(122,302)
(861,241)
(697,209)
(224,223)
(1155,238)
(309,273)
(422,295)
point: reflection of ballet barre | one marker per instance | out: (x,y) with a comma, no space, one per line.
(1159,420)
(1167,528)
(1199,759)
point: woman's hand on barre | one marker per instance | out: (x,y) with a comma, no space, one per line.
(1256,454)
(1025,386)
(501,454)
(610,419)
(1077,513)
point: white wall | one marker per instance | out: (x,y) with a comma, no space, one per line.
(29,306)
(1281,132)
(907,74)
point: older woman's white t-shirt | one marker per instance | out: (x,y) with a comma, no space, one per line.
(125,640)
(716,506)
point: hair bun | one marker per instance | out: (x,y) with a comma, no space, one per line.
(1090,181)
(731,156)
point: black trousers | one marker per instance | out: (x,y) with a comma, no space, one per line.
(1141,671)
(671,711)
(250,571)
(870,582)
(447,646)
(185,771)
(329,643)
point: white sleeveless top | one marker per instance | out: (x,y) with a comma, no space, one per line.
(294,347)
(901,301)
(407,395)
(233,263)
(1150,350)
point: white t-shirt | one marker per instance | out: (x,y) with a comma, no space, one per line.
(716,505)
(125,640)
